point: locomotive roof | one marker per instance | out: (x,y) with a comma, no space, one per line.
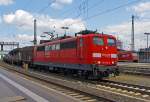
(75,37)
(58,40)
(99,34)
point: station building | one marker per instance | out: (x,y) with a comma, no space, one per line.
(144,55)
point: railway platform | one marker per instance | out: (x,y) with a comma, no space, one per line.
(14,88)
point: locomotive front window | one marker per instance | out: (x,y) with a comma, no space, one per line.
(111,42)
(98,41)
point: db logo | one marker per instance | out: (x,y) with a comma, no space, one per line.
(106,55)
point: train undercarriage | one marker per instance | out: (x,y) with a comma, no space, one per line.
(77,70)
(87,71)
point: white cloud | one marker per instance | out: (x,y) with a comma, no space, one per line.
(6,2)
(20,18)
(123,32)
(141,7)
(59,3)
(24,37)
(142,25)
(23,21)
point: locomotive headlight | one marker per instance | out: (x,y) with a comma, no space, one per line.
(113,55)
(98,62)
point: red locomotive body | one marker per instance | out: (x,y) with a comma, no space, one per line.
(90,54)
(127,56)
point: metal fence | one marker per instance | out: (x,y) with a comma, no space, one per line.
(144,55)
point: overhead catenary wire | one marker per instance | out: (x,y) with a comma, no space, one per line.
(107,11)
(113,9)
(49,4)
(77,7)
(71,10)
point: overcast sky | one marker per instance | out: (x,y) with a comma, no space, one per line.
(108,16)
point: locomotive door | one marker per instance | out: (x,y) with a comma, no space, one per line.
(80,48)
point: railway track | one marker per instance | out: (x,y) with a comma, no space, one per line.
(135,70)
(125,87)
(137,89)
(105,90)
(81,96)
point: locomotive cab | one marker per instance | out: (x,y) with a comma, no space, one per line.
(104,54)
(100,51)
(104,51)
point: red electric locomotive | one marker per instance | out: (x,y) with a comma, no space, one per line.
(127,56)
(88,53)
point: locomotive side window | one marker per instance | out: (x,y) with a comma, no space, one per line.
(48,48)
(53,47)
(111,42)
(81,42)
(41,48)
(57,46)
(68,45)
(98,41)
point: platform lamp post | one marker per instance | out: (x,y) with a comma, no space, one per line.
(147,34)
